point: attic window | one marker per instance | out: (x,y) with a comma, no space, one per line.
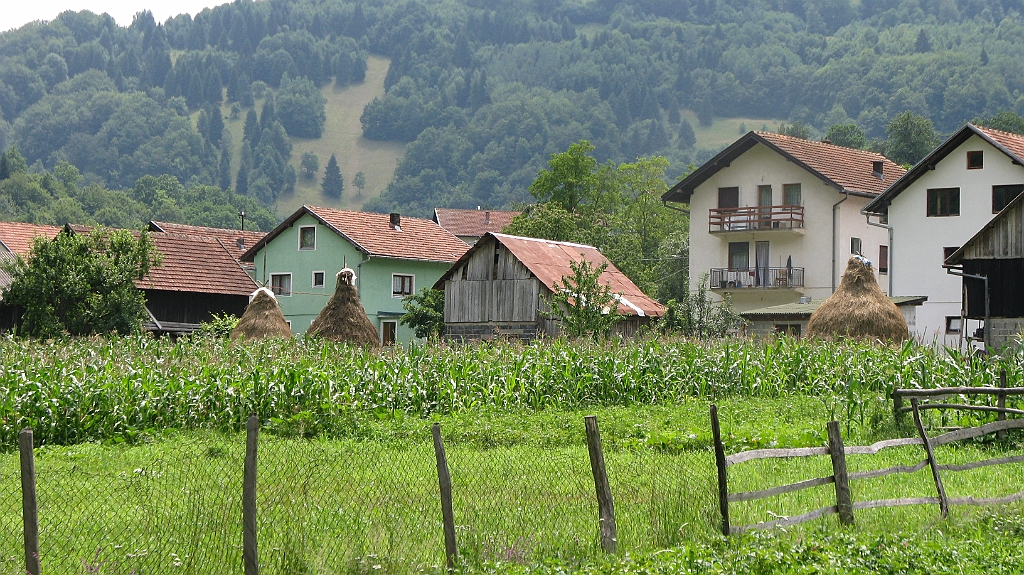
(878,169)
(307,238)
(975,160)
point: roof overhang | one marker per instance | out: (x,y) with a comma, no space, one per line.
(250,254)
(880,205)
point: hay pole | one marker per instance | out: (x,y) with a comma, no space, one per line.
(444,480)
(605,505)
(943,501)
(29,503)
(723,478)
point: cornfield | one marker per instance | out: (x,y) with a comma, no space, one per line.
(78,390)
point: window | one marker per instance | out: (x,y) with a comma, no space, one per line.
(307,238)
(281,284)
(791,193)
(855,246)
(401,285)
(975,161)
(318,279)
(948,251)
(388,332)
(943,202)
(728,197)
(954,324)
(883,259)
(878,169)
(1002,195)
(739,255)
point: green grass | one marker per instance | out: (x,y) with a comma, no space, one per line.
(724,131)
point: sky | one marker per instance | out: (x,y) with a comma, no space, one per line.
(16,13)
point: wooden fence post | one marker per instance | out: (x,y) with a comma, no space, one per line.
(605,505)
(444,480)
(250,555)
(844,503)
(723,480)
(897,406)
(29,505)
(943,503)
(1001,404)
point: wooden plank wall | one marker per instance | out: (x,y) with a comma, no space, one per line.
(493,285)
(1004,240)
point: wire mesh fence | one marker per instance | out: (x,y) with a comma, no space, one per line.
(174,504)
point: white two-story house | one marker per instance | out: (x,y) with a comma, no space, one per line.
(935,208)
(775,218)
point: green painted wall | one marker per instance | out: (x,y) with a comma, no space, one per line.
(282,255)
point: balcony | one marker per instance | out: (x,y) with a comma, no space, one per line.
(762,218)
(757,278)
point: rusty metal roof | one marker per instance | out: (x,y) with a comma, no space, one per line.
(549,262)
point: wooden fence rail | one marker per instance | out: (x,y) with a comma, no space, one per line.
(840,477)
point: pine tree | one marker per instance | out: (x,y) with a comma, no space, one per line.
(333,183)
(251,130)
(267,114)
(216,130)
(224,170)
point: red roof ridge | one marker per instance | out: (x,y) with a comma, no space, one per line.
(796,140)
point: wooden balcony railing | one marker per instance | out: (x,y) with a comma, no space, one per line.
(764,278)
(756,218)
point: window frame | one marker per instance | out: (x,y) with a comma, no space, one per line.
(310,249)
(786,188)
(856,246)
(383,330)
(728,189)
(313,279)
(273,288)
(883,258)
(980,156)
(412,282)
(1004,188)
(730,261)
(936,197)
(950,330)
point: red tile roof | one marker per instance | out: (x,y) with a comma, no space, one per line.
(473,223)
(549,262)
(372,234)
(1013,143)
(17,237)
(196,264)
(848,167)
(228,237)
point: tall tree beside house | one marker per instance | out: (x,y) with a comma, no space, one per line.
(911,137)
(81,284)
(424,312)
(333,183)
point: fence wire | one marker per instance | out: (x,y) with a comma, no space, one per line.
(173,504)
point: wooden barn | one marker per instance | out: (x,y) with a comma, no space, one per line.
(996,252)
(500,287)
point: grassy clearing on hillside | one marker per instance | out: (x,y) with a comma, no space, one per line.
(724,131)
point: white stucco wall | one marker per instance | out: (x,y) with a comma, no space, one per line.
(810,248)
(918,240)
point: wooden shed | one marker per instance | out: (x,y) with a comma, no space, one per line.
(996,252)
(500,287)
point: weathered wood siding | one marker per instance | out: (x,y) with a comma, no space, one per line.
(492,286)
(1004,240)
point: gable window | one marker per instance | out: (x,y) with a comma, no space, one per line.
(307,238)
(975,160)
(281,284)
(1002,195)
(728,197)
(739,255)
(791,194)
(318,279)
(943,202)
(883,259)
(855,246)
(401,285)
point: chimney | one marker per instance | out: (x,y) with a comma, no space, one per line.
(826,141)
(487,217)
(878,169)
(396,221)
(241,243)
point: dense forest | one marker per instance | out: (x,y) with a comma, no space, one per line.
(484,92)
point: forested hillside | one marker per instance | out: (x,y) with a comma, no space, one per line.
(485,91)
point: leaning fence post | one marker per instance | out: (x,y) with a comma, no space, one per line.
(943,503)
(29,505)
(897,405)
(605,505)
(444,480)
(844,502)
(1001,404)
(250,555)
(723,480)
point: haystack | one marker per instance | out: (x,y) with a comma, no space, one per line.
(858,310)
(343,318)
(262,318)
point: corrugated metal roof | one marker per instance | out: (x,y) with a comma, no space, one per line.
(808,308)
(472,222)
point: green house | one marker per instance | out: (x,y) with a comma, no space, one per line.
(393,256)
